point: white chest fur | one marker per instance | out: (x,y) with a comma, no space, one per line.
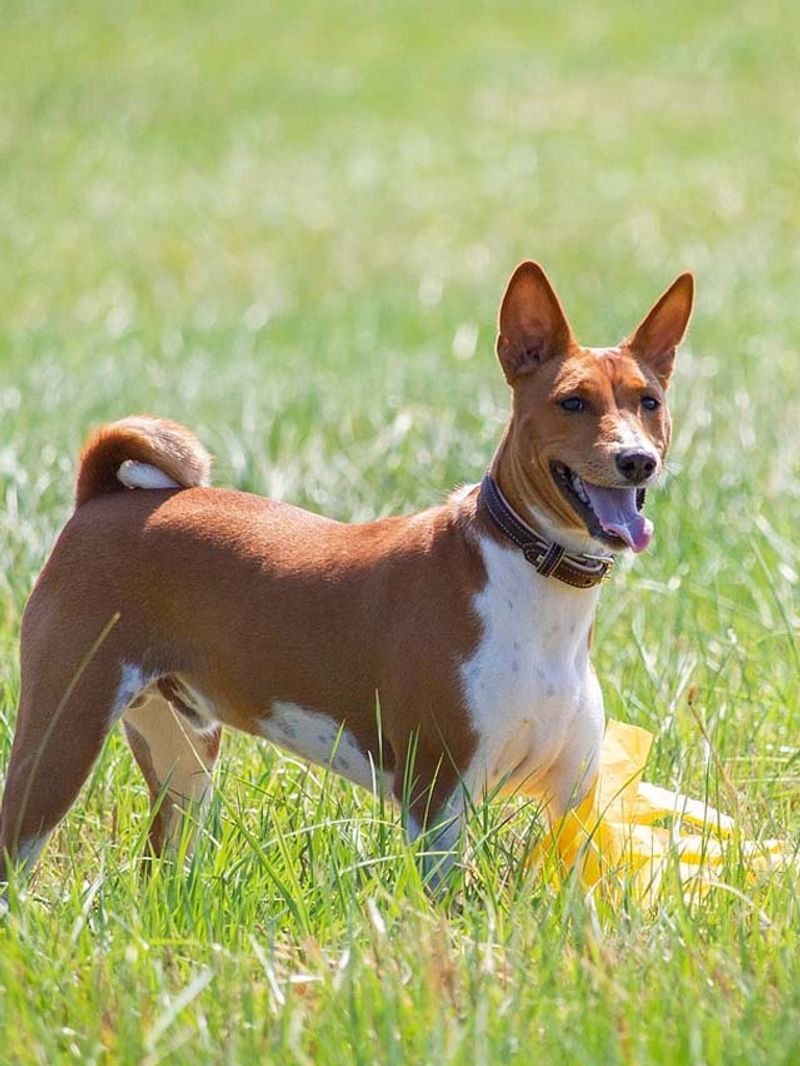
(533,697)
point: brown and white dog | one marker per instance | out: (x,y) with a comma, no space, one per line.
(180,608)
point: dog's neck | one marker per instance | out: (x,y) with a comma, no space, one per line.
(514,479)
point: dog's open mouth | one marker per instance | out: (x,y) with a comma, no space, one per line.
(610,515)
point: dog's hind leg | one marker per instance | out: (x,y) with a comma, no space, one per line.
(68,704)
(176,758)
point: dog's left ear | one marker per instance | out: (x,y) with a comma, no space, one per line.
(655,339)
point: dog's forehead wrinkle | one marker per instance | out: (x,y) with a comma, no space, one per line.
(601,370)
(617,362)
(580,377)
(624,374)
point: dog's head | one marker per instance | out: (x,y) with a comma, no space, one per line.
(590,427)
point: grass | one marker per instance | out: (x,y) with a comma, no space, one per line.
(289,226)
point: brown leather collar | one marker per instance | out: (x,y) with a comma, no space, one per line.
(549,559)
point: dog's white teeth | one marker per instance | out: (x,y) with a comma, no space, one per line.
(578,489)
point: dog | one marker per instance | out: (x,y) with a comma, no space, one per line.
(436,656)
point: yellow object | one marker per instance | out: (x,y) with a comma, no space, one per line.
(611,839)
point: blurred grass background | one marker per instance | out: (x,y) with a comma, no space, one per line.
(289,226)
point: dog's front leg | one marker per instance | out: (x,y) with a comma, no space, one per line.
(440,838)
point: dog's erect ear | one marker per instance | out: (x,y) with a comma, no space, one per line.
(532,326)
(654,341)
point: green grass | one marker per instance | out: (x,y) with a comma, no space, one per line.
(289,226)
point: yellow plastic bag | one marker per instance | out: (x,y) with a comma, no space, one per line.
(612,841)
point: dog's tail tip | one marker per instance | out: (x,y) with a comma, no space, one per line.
(140,452)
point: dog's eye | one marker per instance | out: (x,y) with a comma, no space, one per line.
(572,403)
(650,403)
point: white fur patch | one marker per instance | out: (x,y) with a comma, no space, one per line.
(322,740)
(533,697)
(136,475)
(133,680)
(629,435)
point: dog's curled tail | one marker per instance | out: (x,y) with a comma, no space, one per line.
(140,452)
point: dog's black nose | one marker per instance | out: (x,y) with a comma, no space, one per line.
(636,466)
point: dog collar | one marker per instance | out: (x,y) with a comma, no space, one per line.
(549,559)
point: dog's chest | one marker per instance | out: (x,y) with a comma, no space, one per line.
(529,681)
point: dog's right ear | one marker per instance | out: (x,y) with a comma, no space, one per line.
(532,325)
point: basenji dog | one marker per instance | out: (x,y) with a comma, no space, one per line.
(437,656)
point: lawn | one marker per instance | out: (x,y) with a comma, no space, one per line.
(288,225)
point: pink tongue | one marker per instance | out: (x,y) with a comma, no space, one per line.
(617,513)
